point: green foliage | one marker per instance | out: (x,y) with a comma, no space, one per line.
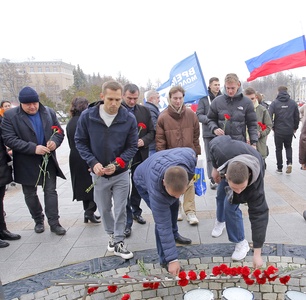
(46,101)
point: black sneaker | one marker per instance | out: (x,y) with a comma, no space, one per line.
(111,243)
(120,250)
(39,228)
(279,171)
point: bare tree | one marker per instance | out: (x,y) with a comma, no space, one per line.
(13,78)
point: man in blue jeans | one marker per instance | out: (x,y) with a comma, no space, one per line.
(160,180)
(239,170)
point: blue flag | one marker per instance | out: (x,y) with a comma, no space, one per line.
(188,74)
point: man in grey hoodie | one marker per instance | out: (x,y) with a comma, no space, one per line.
(243,168)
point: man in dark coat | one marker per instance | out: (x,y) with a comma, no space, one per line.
(152,102)
(161,188)
(33,132)
(146,135)
(285,115)
(243,168)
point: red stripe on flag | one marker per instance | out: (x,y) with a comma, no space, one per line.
(285,63)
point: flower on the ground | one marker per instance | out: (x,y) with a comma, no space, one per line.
(141,126)
(119,163)
(226,118)
(285,279)
(112,288)
(126,297)
(43,167)
(92,289)
(192,275)
(262,126)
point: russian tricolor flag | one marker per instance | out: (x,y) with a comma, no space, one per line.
(286,56)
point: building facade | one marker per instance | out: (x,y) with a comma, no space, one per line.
(49,77)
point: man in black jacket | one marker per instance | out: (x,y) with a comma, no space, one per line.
(284,113)
(202,111)
(243,168)
(146,135)
(231,114)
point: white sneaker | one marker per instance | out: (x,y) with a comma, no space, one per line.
(192,219)
(180,215)
(241,250)
(218,228)
(111,243)
(120,250)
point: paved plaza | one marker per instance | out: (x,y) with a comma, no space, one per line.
(35,253)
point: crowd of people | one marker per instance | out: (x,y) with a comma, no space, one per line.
(122,152)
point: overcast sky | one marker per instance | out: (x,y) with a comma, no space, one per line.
(144,39)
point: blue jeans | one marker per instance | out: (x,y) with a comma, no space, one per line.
(174,212)
(230,214)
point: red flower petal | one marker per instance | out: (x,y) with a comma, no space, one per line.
(202,275)
(92,289)
(182,275)
(183,282)
(142,125)
(112,288)
(126,297)
(56,129)
(285,279)
(192,275)
(120,162)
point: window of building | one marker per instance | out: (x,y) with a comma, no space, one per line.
(39,69)
(47,69)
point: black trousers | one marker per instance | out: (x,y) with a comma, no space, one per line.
(280,141)
(50,199)
(2,221)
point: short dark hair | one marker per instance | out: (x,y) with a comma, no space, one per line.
(78,105)
(176,178)
(249,91)
(237,172)
(4,101)
(282,88)
(131,87)
(212,79)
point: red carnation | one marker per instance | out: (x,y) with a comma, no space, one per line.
(262,126)
(285,279)
(56,129)
(227,117)
(261,280)
(183,282)
(216,271)
(182,275)
(146,285)
(126,297)
(192,275)
(126,276)
(257,273)
(142,125)
(119,162)
(202,275)
(248,280)
(112,288)
(245,271)
(92,289)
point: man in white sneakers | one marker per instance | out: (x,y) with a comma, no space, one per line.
(243,168)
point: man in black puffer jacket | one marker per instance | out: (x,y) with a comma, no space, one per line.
(284,113)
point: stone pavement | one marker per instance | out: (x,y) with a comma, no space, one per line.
(36,255)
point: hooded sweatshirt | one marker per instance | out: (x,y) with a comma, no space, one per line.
(224,150)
